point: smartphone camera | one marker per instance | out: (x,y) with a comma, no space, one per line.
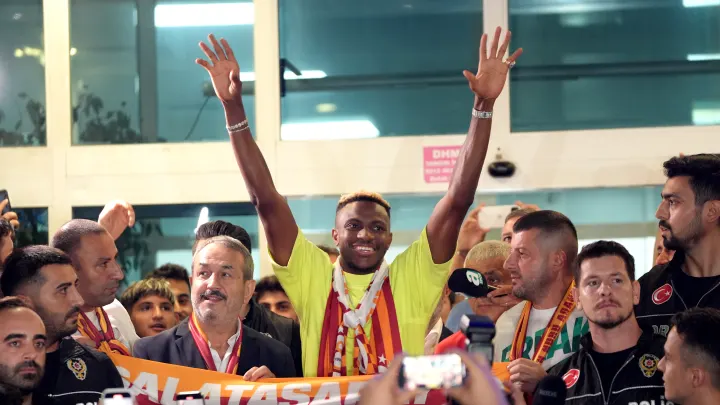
(189,398)
(117,396)
(431,372)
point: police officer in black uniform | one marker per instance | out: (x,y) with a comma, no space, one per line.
(74,374)
(689,220)
(617,362)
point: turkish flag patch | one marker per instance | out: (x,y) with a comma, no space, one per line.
(571,377)
(662,294)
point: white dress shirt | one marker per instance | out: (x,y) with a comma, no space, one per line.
(221,364)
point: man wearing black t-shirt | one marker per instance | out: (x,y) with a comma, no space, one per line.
(689,217)
(617,361)
(74,374)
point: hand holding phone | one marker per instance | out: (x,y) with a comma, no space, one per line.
(4,209)
(493,217)
(431,372)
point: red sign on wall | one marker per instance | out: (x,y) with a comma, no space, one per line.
(438,163)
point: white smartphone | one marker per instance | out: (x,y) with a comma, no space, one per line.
(431,372)
(117,396)
(190,398)
(493,216)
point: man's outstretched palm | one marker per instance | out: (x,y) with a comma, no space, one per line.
(490,79)
(223,69)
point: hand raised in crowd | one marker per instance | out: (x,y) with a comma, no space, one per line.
(117,216)
(526,374)
(480,387)
(384,389)
(257,373)
(492,72)
(223,69)
(471,231)
(9,216)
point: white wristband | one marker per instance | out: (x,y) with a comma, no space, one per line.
(481,114)
(243,125)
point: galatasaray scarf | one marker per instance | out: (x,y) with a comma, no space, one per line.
(104,338)
(371,354)
(558,320)
(203,346)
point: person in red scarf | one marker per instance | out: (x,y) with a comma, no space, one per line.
(104,323)
(214,337)
(357,313)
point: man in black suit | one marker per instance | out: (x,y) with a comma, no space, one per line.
(257,316)
(213,337)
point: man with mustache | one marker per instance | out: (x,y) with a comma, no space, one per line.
(104,323)
(546,328)
(22,353)
(254,315)
(73,372)
(689,219)
(617,361)
(342,306)
(214,337)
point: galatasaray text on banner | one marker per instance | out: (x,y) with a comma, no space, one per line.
(157,383)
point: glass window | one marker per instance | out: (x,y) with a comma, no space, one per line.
(134,79)
(33,227)
(596,64)
(22,74)
(626,215)
(362,70)
(166,233)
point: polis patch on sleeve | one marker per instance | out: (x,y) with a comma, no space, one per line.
(78,367)
(649,364)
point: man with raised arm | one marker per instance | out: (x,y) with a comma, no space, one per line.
(355,315)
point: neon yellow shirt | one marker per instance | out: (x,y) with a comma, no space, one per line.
(415,280)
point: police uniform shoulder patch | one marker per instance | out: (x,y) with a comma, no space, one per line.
(78,367)
(571,377)
(649,364)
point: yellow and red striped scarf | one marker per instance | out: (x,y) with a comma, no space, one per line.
(104,338)
(370,355)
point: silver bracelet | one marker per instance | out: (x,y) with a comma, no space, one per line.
(481,114)
(243,125)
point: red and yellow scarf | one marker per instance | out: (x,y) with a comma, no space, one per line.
(370,356)
(203,346)
(104,338)
(552,331)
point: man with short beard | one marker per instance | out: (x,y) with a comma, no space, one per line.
(617,361)
(546,328)
(689,219)
(22,353)
(75,373)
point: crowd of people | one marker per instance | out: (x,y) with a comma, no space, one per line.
(346,311)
